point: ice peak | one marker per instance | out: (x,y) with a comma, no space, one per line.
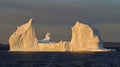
(30,21)
(47,36)
(78,23)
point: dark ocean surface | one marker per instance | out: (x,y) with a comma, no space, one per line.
(60,59)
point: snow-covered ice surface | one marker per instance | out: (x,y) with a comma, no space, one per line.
(84,38)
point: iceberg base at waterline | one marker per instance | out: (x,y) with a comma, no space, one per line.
(84,38)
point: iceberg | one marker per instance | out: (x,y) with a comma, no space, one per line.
(84,38)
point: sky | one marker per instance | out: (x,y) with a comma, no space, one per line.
(58,16)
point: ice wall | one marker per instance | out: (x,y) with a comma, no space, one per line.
(24,38)
(85,38)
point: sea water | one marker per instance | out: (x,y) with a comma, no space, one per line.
(59,59)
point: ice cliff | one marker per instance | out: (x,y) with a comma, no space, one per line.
(84,38)
(24,38)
